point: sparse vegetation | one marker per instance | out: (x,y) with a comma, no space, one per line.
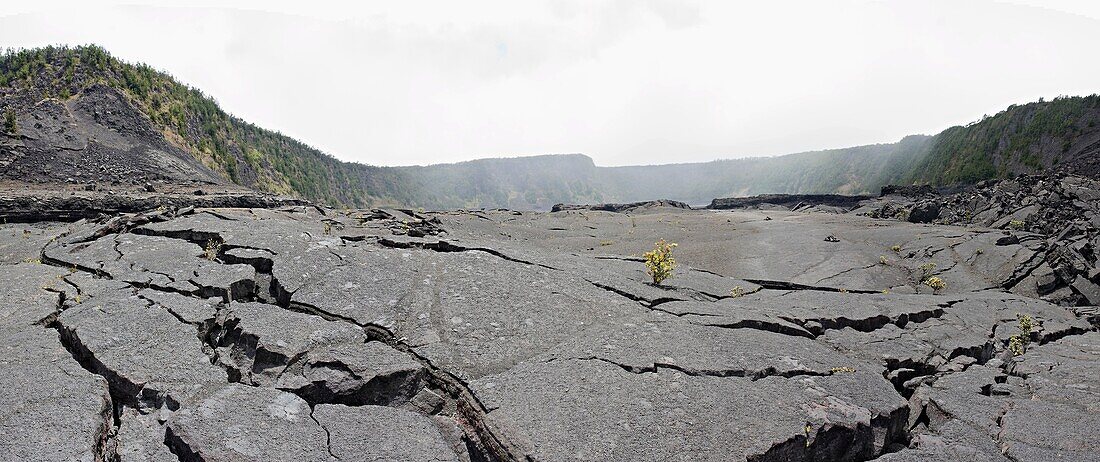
(737,292)
(896,248)
(194,120)
(606,243)
(882,260)
(1014,141)
(842,369)
(1016,225)
(926,270)
(936,283)
(659,262)
(1018,343)
(212,249)
(11,126)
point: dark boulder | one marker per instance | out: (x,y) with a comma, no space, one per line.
(924,212)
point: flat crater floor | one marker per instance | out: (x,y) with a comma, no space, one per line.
(309,334)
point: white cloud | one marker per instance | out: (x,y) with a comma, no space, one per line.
(625,82)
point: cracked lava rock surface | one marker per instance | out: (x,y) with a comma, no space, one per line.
(309,334)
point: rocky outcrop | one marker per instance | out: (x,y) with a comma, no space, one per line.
(796,202)
(1060,214)
(51,205)
(622,208)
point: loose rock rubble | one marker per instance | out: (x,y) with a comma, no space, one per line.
(1057,216)
(310,334)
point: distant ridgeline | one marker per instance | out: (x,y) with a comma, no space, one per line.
(1059,134)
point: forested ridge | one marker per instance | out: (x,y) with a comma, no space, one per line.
(1057,134)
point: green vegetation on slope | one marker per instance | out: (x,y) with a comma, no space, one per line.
(239,151)
(1022,139)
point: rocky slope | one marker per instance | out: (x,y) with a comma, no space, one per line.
(303,333)
(1056,216)
(93,137)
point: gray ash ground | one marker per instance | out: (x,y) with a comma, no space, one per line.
(302,333)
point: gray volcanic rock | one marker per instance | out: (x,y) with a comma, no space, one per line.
(835,203)
(154,261)
(141,438)
(35,205)
(620,208)
(149,356)
(322,361)
(1062,211)
(97,135)
(471,312)
(311,334)
(50,408)
(667,415)
(924,212)
(238,422)
(370,433)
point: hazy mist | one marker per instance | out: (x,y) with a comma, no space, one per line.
(623,82)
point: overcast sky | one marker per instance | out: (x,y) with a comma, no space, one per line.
(626,82)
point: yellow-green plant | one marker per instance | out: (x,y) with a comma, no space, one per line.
(882,260)
(213,247)
(936,283)
(896,248)
(1016,224)
(659,262)
(1017,344)
(737,292)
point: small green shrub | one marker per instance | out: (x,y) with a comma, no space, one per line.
(1017,344)
(659,262)
(11,126)
(212,249)
(737,292)
(925,271)
(936,283)
(896,248)
(882,260)
(1016,225)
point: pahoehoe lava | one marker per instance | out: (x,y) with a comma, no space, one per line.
(286,331)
